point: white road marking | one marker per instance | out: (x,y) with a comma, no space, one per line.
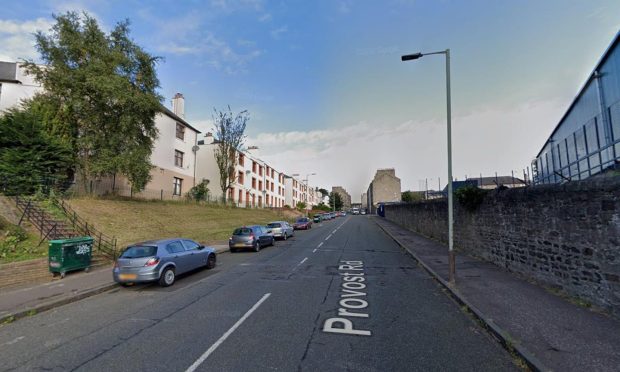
(333,232)
(314,250)
(328,236)
(210,350)
(319,246)
(302,261)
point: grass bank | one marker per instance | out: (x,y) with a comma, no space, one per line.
(19,244)
(136,220)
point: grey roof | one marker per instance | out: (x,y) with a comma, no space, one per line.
(174,116)
(502,180)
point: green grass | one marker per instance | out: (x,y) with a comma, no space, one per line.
(132,221)
(25,249)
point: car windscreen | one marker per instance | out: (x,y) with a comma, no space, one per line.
(139,251)
(302,220)
(274,225)
(242,231)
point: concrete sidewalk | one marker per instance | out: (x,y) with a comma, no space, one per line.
(548,331)
(29,300)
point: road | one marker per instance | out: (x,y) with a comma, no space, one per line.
(270,310)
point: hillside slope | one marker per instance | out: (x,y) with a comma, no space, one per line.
(133,221)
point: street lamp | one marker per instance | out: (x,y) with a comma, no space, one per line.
(451,258)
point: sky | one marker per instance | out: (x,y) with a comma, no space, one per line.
(326,89)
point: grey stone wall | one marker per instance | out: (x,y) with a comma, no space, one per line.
(564,236)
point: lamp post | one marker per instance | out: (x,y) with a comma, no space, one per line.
(451,257)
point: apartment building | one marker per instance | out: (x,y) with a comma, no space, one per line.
(15,85)
(384,188)
(344,196)
(256,183)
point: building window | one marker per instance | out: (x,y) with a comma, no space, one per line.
(267,184)
(241,158)
(253,166)
(253,183)
(260,171)
(260,185)
(272,187)
(180,131)
(272,174)
(240,178)
(240,200)
(178,186)
(178,158)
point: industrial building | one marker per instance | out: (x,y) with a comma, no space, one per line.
(586,140)
(384,188)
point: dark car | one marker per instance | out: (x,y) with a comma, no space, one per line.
(303,223)
(253,237)
(317,218)
(161,260)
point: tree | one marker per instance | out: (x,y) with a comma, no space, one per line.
(410,196)
(29,155)
(101,93)
(301,205)
(323,192)
(229,132)
(334,198)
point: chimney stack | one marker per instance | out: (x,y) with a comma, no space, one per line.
(178,105)
(209,138)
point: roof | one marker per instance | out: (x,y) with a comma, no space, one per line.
(606,54)
(174,116)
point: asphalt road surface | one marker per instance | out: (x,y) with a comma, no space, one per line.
(341,296)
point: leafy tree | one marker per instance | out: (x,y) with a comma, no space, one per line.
(29,155)
(199,192)
(101,94)
(335,199)
(229,131)
(323,192)
(301,205)
(410,196)
(321,207)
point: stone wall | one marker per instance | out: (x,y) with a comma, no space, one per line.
(564,236)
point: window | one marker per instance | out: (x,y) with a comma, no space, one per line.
(190,245)
(260,185)
(178,185)
(241,158)
(240,177)
(139,252)
(240,200)
(272,174)
(180,131)
(260,171)
(175,247)
(272,187)
(254,166)
(253,182)
(178,158)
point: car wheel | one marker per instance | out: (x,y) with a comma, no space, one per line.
(256,246)
(273,241)
(211,261)
(167,277)
(284,237)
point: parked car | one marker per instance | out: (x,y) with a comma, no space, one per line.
(161,261)
(317,218)
(281,229)
(253,237)
(363,211)
(302,223)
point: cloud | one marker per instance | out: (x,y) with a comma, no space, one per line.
(265,17)
(278,32)
(487,141)
(230,6)
(18,38)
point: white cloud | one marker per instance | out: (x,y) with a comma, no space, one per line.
(265,17)
(18,38)
(278,32)
(487,141)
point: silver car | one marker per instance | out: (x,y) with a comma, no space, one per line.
(253,237)
(281,229)
(161,260)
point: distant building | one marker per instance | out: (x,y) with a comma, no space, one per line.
(495,182)
(364,200)
(344,196)
(15,85)
(586,141)
(384,188)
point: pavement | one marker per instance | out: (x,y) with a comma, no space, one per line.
(28,300)
(340,296)
(549,331)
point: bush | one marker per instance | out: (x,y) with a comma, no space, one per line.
(470,197)
(200,192)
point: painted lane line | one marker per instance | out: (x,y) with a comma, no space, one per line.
(302,261)
(319,246)
(328,236)
(210,350)
(314,250)
(14,341)
(333,232)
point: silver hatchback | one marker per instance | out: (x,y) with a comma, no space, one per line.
(281,229)
(161,261)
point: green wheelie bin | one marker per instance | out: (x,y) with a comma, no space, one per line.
(70,254)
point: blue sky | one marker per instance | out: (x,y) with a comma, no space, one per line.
(325,86)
